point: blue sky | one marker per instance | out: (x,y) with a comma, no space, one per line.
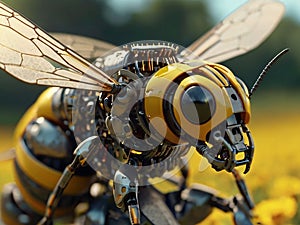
(218,8)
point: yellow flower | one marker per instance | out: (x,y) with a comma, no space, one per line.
(217,217)
(276,211)
(285,186)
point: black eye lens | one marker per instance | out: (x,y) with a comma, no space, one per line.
(197,104)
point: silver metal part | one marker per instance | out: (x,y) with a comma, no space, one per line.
(236,102)
(119,128)
(197,206)
(45,138)
(97,214)
(113,62)
(154,208)
(63,103)
(241,213)
(13,209)
(87,146)
(125,192)
(125,182)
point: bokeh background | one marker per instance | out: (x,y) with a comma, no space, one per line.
(274,180)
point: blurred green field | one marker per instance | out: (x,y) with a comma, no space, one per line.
(274,179)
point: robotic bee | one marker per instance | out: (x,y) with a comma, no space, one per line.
(104,129)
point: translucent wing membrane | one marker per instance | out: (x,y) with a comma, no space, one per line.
(33,56)
(240,32)
(87,47)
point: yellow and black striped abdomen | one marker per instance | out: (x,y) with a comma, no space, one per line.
(44,146)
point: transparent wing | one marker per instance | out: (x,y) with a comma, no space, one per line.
(89,48)
(33,56)
(240,32)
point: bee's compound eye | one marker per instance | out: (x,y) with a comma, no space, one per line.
(197,104)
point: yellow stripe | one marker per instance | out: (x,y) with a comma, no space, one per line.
(37,171)
(155,91)
(44,104)
(214,75)
(46,176)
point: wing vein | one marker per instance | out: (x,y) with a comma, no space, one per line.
(33,56)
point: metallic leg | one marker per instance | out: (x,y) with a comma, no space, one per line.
(55,196)
(243,188)
(81,154)
(126,192)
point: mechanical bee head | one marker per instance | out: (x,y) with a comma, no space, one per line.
(166,99)
(203,103)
